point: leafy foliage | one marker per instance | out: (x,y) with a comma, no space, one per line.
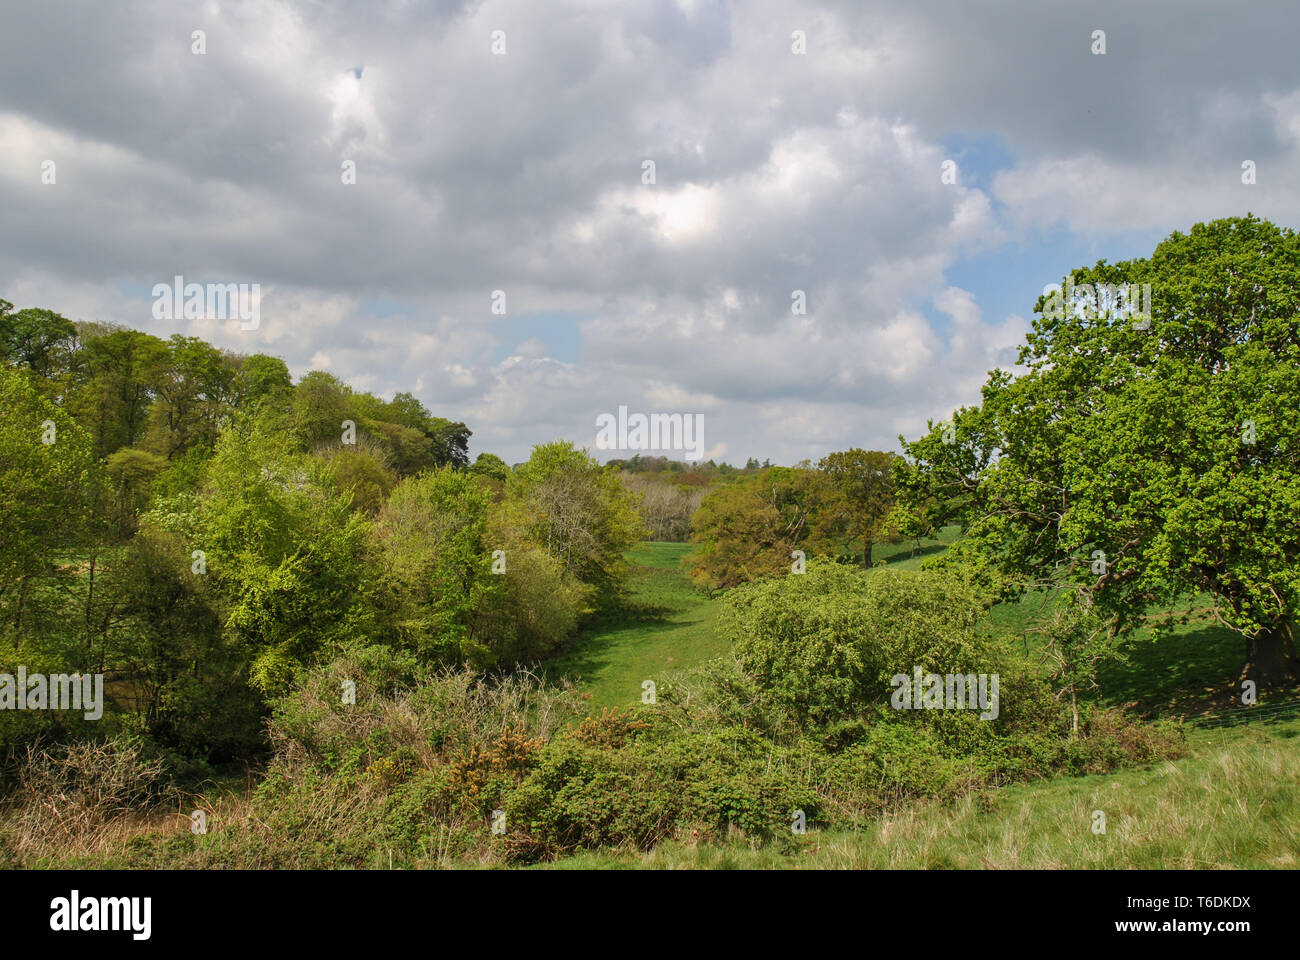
(1169,450)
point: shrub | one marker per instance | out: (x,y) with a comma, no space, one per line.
(71,787)
(826,643)
(689,785)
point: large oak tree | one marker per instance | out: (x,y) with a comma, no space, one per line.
(1142,462)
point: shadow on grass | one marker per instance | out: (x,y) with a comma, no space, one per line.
(586,654)
(589,651)
(1265,712)
(1182,674)
(592,650)
(922,552)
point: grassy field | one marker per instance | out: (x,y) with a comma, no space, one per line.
(1233,802)
(1186,673)
(910,554)
(671,625)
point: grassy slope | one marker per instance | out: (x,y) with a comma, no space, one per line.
(1185,673)
(671,627)
(1233,802)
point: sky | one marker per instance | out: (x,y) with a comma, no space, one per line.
(503,146)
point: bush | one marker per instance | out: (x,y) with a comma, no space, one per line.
(412,773)
(71,787)
(827,643)
(535,611)
(686,785)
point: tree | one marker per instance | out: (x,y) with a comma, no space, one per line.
(429,539)
(286,552)
(48,485)
(449,441)
(260,377)
(492,466)
(577,511)
(130,474)
(537,606)
(320,404)
(360,469)
(164,644)
(194,392)
(409,451)
(855,500)
(1144,462)
(40,340)
(118,373)
(749,529)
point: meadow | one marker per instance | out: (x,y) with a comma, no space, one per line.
(1232,802)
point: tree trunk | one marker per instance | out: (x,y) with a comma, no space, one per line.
(1271,659)
(866,557)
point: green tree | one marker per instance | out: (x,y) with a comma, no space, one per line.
(48,486)
(193,397)
(40,340)
(490,465)
(448,440)
(361,469)
(261,377)
(429,539)
(118,373)
(854,503)
(579,512)
(321,402)
(749,529)
(165,652)
(536,609)
(286,551)
(130,474)
(1145,461)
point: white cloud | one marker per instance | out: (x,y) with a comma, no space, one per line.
(775,173)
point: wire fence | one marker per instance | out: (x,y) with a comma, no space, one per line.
(1260,712)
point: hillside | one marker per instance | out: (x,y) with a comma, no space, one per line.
(1232,802)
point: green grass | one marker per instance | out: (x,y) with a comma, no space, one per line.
(670,626)
(910,554)
(1233,803)
(1190,669)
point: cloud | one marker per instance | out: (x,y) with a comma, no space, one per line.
(775,173)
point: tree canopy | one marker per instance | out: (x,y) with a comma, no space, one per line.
(1140,461)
